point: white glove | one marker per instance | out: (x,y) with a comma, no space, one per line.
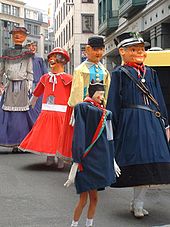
(33,101)
(72,119)
(117,169)
(168,133)
(72,175)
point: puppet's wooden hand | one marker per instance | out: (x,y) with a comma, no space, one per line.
(117,169)
(72,119)
(30,84)
(1,89)
(168,133)
(33,101)
(72,175)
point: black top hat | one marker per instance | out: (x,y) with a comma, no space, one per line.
(128,39)
(95,86)
(96,41)
(17,29)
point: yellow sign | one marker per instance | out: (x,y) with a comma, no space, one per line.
(158,58)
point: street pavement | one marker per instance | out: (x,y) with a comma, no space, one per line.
(33,195)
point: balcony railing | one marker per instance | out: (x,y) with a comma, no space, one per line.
(128,8)
(109,22)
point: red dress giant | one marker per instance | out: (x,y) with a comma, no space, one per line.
(45,136)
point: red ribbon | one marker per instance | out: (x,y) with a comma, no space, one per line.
(139,68)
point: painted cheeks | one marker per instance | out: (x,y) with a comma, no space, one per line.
(52,60)
(136,54)
(18,37)
(98,96)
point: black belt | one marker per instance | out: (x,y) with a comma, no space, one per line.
(156,112)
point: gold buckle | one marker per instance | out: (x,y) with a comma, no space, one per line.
(157,114)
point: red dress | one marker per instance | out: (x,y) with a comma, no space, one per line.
(44,138)
(65,144)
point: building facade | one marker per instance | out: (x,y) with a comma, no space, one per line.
(17,13)
(36,22)
(74,22)
(11,13)
(151,17)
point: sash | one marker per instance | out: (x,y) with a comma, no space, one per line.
(98,131)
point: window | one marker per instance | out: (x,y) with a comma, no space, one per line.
(87,1)
(35,15)
(121,1)
(45,18)
(72,22)
(6,8)
(59,19)
(27,13)
(36,30)
(15,11)
(64,36)
(100,13)
(69,30)
(83,56)
(11,10)
(66,33)
(59,41)
(104,10)
(46,33)
(64,11)
(28,26)
(46,49)
(87,23)
(61,15)
(61,38)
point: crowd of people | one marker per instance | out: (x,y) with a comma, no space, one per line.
(113,129)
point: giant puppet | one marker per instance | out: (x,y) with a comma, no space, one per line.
(55,86)
(93,152)
(16,76)
(39,69)
(140,122)
(90,69)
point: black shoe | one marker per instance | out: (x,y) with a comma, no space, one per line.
(16,150)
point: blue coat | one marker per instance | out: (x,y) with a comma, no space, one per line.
(98,169)
(39,68)
(141,147)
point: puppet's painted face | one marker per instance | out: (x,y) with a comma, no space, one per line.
(94,54)
(56,59)
(33,47)
(19,37)
(98,97)
(134,53)
(52,60)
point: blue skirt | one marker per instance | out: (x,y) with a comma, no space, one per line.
(15,125)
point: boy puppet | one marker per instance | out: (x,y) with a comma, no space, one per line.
(92,167)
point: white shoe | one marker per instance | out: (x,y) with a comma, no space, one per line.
(145,212)
(138,211)
(60,163)
(50,160)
